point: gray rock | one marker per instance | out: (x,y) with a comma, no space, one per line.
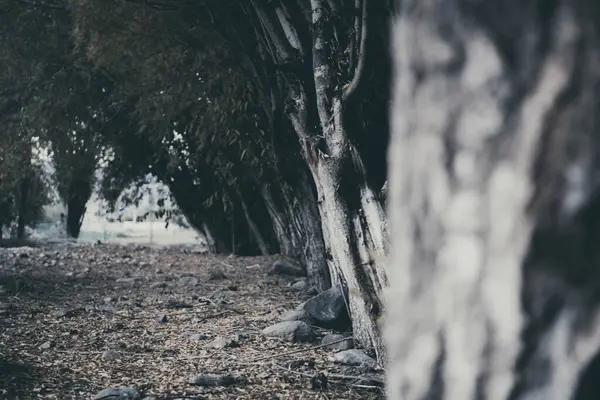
(301,284)
(126,281)
(158,285)
(221,343)
(178,304)
(188,281)
(241,337)
(196,336)
(45,345)
(312,291)
(337,341)
(110,354)
(291,331)
(328,309)
(295,315)
(163,319)
(286,268)
(118,393)
(212,380)
(354,357)
(216,274)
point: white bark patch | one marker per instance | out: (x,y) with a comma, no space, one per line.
(466,167)
(431,49)
(576,191)
(317,7)
(319,44)
(321,72)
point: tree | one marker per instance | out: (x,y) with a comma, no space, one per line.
(494,201)
(23,191)
(324,69)
(222,140)
(319,71)
(33,60)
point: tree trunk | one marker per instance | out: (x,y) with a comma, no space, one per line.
(494,200)
(298,230)
(309,57)
(23,207)
(75,214)
(352,217)
(254,231)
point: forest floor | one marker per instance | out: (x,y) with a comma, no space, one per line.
(75,320)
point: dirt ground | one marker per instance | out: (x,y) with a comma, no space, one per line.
(77,319)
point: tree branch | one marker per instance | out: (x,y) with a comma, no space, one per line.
(360,68)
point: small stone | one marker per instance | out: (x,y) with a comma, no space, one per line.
(286,268)
(222,343)
(301,284)
(163,319)
(188,281)
(118,393)
(216,275)
(108,300)
(241,337)
(328,309)
(312,291)
(110,354)
(291,331)
(178,304)
(66,313)
(354,357)
(319,382)
(295,315)
(212,380)
(45,345)
(196,336)
(158,285)
(126,281)
(337,341)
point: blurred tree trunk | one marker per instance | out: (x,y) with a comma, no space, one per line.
(494,203)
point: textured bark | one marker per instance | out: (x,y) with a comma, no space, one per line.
(493,199)
(320,68)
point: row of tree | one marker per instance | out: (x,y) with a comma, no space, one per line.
(267,120)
